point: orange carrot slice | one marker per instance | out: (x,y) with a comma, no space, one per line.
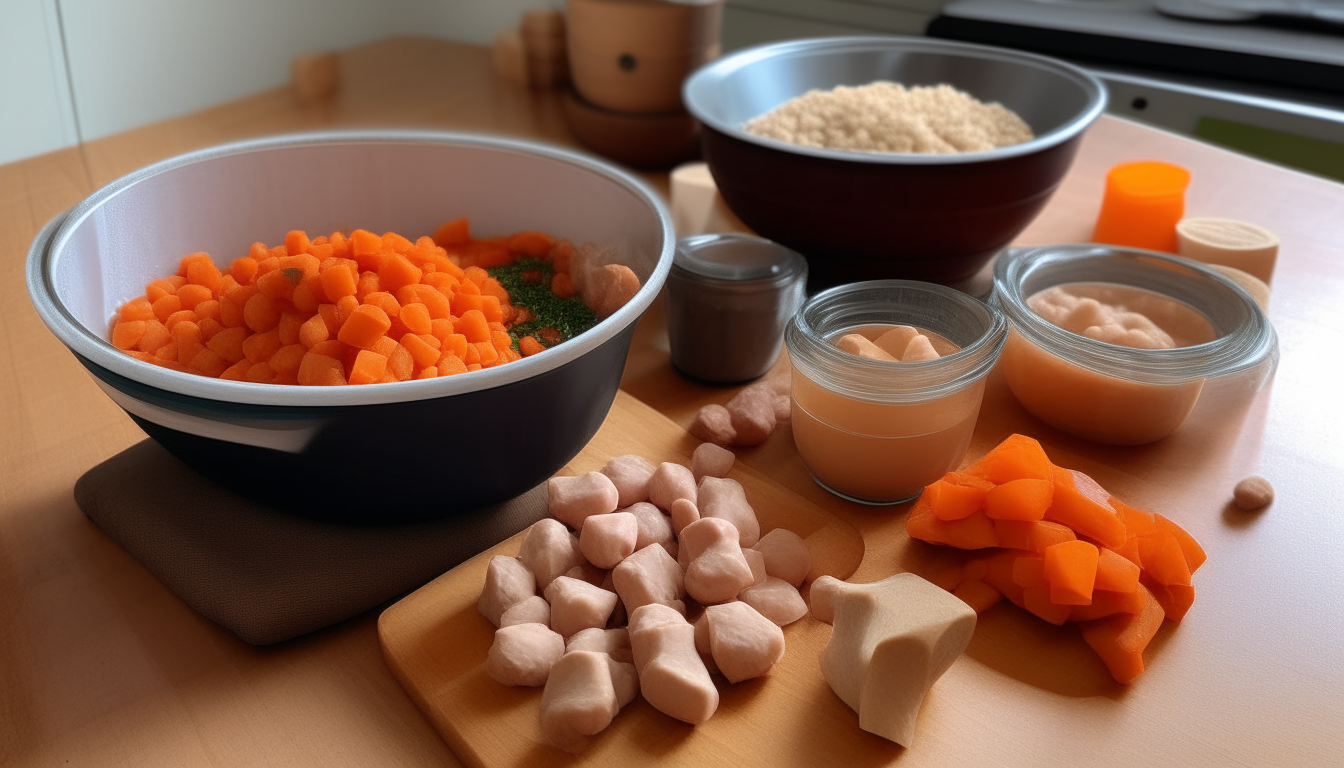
(1121,639)
(1115,573)
(1025,499)
(1016,458)
(364,326)
(1071,570)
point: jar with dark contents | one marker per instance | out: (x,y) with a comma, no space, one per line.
(729,298)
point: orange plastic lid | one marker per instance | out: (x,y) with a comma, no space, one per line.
(1142,204)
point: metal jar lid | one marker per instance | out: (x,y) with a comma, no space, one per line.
(729,259)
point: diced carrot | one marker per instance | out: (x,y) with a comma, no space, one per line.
(1115,573)
(368,368)
(416,317)
(450,364)
(258,252)
(138,308)
(487,354)
(400,363)
(364,326)
(286,360)
(1025,499)
(1031,535)
(308,294)
(1029,571)
(395,243)
(237,371)
(188,337)
(340,245)
(1071,570)
(474,326)
(209,327)
(260,313)
(164,286)
(1175,599)
(244,269)
(421,352)
(296,241)
(127,334)
(455,232)
(260,373)
(204,273)
(978,595)
(364,243)
(528,345)
(166,305)
(972,532)
(441,329)
(155,336)
(207,310)
(279,284)
(1037,600)
(1017,457)
(345,306)
(1121,639)
(339,281)
(228,344)
(1163,559)
(385,346)
(192,294)
(1130,551)
(259,347)
(1137,522)
(1085,516)
(1105,603)
(320,370)
(314,330)
(291,321)
(437,304)
(1194,554)
(178,317)
(207,362)
(397,271)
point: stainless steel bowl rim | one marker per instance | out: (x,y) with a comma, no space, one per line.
(705,77)
(101,352)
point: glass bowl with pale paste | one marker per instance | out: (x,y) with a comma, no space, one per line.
(1116,344)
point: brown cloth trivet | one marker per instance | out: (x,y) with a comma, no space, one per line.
(266,575)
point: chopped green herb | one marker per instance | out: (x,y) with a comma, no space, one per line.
(528,282)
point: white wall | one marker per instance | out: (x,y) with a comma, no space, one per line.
(73,70)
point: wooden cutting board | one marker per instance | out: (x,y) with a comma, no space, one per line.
(435,643)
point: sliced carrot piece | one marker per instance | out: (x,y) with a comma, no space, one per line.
(296,241)
(416,317)
(528,346)
(1025,499)
(320,370)
(207,363)
(1037,600)
(1017,457)
(228,344)
(1121,639)
(260,313)
(1105,603)
(397,271)
(975,531)
(313,331)
(400,363)
(127,334)
(368,368)
(207,310)
(1029,571)
(978,595)
(474,326)
(1085,516)
(1071,570)
(1194,554)
(1115,573)
(155,336)
(259,347)
(1175,599)
(286,360)
(1163,559)
(1137,522)
(451,365)
(421,352)
(364,326)
(451,233)
(950,500)
(339,281)
(243,270)
(192,295)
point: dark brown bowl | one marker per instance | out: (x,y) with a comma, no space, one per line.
(864,216)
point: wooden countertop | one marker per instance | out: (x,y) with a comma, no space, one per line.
(101,665)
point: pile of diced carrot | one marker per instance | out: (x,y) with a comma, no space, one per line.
(1071,551)
(338,309)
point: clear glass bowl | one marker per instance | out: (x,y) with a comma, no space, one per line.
(1115,394)
(874,431)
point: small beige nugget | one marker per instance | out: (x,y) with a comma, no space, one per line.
(630,474)
(775,599)
(577,605)
(858,344)
(725,498)
(508,581)
(895,341)
(756,561)
(606,540)
(683,513)
(655,527)
(615,642)
(650,575)
(716,569)
(891,641)
(920,348)
(672,676)
(714,424)
(786,555)
(1254,492)
(571,499)
(753,414)
(522,654)
(743,643)
(549,550)
(533,610)
(671,481)
(584,692)
(711,460)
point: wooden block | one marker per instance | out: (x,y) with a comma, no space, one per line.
(509,58)
(315,76)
